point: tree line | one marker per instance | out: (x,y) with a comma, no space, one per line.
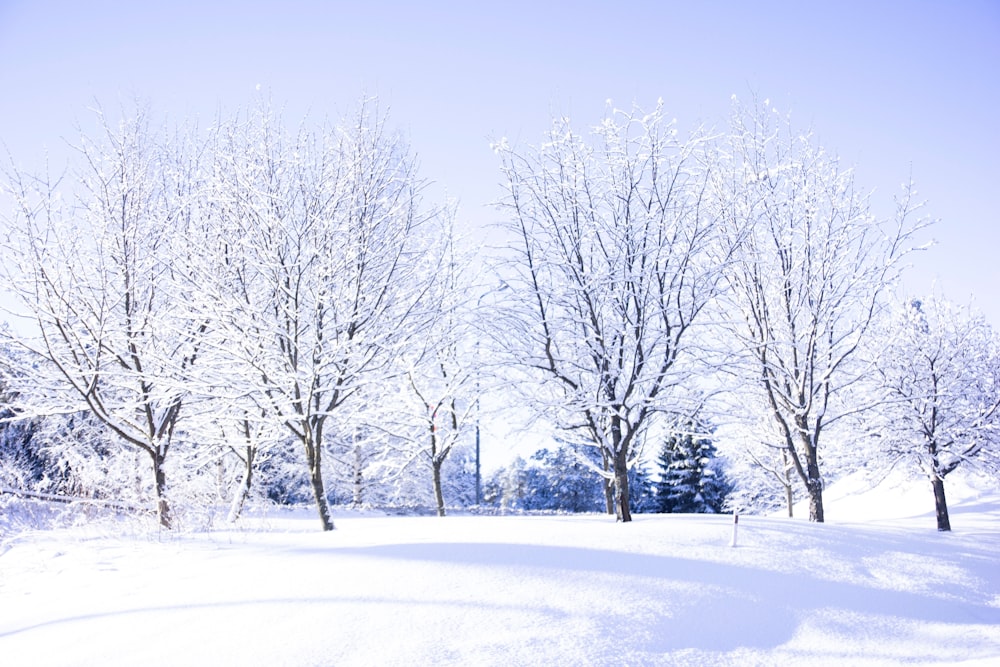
(217,305)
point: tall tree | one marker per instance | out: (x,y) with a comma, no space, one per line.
(327,226)
(612,271)
(92,260)
(814,264)
(937,378)
(439,375)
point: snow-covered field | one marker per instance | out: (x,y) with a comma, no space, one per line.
(557,590)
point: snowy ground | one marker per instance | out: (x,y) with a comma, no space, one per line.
(580,590)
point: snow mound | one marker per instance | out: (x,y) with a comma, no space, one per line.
(858,499)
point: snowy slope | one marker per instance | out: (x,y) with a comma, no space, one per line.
(577,590)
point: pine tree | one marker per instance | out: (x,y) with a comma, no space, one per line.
(691,479)
(642,498)
(678,475)
(551,480)
(714,487)
(560,480)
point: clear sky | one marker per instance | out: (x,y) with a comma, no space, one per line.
(892,87)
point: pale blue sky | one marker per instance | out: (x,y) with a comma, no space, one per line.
(892,87)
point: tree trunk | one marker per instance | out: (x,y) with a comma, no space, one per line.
(815,489)
(359,479)
(438,492)
(608,485)
(243,492)
(787,481)
(814,486)
(162,507)
(624,512)
(314,459)
(940,504)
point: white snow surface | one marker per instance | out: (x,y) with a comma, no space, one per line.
(875,585)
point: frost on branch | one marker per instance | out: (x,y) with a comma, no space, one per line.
(613,268)
(936,391)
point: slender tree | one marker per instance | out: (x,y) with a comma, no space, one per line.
(439,376)
(937,384)
(809,280)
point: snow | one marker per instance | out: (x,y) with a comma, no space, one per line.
(876,585)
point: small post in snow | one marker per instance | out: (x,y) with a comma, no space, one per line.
(736,523)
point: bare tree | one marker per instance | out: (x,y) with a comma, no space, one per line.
(937,384)
(91,260)
(612,270)
(328,284)
(760,467)
(444,418)
(438,375)
(809,279)
(443,374)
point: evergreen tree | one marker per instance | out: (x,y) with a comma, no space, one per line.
(22,464)
(550,480)
(506,488)
(691,479)
(642,498)
(575,486)
(715,487)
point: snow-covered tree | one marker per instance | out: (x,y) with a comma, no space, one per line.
(937,378)
(563,481)
(813,267)
(438,370)
(642,490)
(757,460)
(507,487)
(91,259)
(327,226)
(691,477)
(764,477)
(243,438)
(559,480)
(22,463)
(444,417)
(612,270)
